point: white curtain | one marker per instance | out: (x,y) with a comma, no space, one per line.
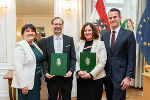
(138,81)
(133,9)
(128,10)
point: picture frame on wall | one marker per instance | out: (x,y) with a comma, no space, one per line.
(38,31)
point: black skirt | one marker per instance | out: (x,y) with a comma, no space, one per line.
(89,89)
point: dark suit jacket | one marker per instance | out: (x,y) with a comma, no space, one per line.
(40,43)
(121,61)
(68,47)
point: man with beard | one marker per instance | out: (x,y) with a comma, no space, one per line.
(59,43)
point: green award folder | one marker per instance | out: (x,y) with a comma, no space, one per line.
(87,61)
(58,64)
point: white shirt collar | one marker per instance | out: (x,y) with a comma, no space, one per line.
(117,30)
(58,36)
(116,34)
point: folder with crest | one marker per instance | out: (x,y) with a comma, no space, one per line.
(87,61)
(58,64)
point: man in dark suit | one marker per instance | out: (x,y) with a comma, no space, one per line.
(59,43)
(121,57)
(40,43)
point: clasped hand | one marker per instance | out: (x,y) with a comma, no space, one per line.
(69,74)
(84,74)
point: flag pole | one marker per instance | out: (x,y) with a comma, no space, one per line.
(144,61)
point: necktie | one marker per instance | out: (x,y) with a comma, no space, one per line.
(58,45)
(112,40)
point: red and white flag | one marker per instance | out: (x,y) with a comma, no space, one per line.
(99,12)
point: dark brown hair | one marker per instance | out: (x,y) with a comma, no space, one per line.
(42,34)
(115,9)
(95,34)
(55,19)
(26,26)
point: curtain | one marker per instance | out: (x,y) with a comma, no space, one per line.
(129,11)
(138,81)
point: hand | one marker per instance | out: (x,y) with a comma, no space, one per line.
(81,73)
(86,76)
(25,90)
(49,76)
(69,74)
(125,83)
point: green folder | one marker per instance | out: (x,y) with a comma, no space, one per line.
(58,64)
(87,61)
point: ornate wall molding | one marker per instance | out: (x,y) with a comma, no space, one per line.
(3,86)
(3,36)
(37,21)
(7,43)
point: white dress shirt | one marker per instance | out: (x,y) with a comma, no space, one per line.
(116,34)
(58,44)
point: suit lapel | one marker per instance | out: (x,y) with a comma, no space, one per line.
(118,39)
(82,46)
(38,48)
(64,43)
(51,44)
(29,48)
(108,41)
(94,46)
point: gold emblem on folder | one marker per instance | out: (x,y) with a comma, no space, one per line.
(58,61)
(87,61)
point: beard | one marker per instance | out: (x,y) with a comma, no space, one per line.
(58,31)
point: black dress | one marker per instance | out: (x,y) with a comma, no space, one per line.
(89,89)
(34,94)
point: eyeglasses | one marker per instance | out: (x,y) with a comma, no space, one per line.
(56,24)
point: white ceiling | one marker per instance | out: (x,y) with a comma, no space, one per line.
(35,7)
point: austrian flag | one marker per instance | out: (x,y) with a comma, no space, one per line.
(99,13)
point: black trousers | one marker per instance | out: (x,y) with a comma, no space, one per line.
(113,89)
(89,89)
(59,82)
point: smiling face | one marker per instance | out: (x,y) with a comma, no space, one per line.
(88,33)
(57,26)
(29,35)
(114,19)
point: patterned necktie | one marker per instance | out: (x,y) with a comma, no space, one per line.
(58,45)
(112,40)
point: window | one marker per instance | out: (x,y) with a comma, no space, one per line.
(114,1)
(113,4)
